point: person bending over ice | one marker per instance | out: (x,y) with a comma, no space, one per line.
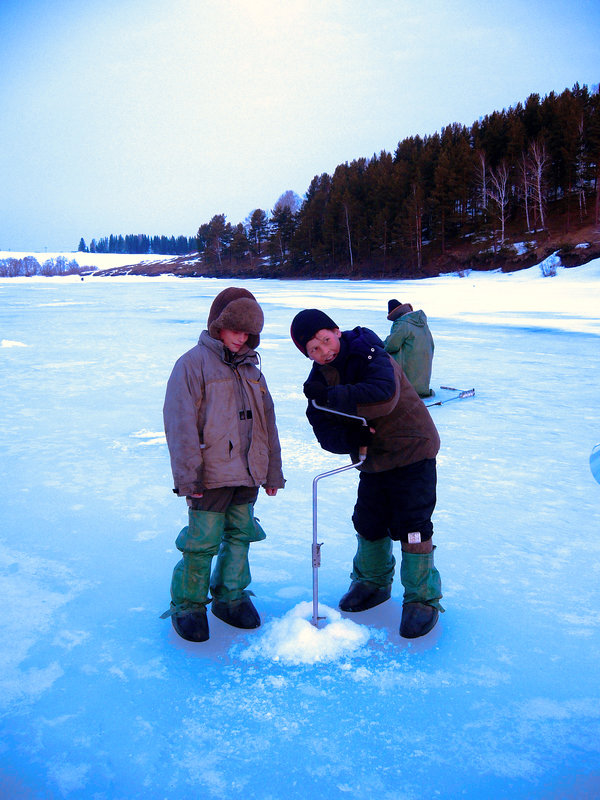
(396,497)
(223,443)
(410,343)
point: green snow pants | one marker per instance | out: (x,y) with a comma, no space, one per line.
(421,580)
(221,524)
(231,573)
(374,561)
(198,542)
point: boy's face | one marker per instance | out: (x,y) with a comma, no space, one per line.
(324,346)
(234,340)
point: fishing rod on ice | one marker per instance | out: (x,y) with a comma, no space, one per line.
(461,396)
(316,545)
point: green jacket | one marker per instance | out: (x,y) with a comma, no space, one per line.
(410,344)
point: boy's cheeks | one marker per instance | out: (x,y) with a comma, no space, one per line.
(324,347)
(233,340)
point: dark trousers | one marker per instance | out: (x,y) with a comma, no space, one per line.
(224,496)
(396,502)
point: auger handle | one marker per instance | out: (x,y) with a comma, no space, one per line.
(362,451)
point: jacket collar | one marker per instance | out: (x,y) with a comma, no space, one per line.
(218,348)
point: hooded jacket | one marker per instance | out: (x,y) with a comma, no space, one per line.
(220,421)
(410,343)
(364,380)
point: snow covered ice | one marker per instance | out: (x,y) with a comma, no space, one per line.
(98,696)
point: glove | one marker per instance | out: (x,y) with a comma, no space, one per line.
(315,390)
(360,437)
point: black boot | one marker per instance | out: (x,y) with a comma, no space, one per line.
(363,595)
(192,625)
(240,613)
(422,594)
(417,620)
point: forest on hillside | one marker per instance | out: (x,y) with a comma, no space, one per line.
(507,178)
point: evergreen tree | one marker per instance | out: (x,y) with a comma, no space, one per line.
(258,227)
(240,244)
(283,226)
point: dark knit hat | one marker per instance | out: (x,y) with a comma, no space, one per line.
(306,323)
(397,309)
(237,310)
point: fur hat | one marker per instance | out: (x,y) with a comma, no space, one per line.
(237,310)
(397,309)
(306,323)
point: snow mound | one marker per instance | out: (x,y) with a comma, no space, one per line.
(293,639)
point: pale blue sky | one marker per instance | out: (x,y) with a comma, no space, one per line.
(147,116)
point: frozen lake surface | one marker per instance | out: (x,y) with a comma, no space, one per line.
(100,699)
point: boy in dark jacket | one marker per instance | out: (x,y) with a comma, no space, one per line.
(223,443)
(353,374)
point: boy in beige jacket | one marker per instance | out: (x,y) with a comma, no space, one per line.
(223,443)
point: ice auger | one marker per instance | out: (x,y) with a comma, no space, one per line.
(316,545)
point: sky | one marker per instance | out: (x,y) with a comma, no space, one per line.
(141,116)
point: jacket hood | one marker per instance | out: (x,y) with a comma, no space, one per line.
(397,309)
(362,336)
(418,318)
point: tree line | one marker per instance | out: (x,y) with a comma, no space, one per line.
(29,266)
(396,211)
(141,243)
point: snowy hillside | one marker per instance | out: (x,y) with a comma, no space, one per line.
(100,699)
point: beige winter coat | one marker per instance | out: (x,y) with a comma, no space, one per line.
(220,421)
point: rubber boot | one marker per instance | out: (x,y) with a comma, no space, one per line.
(192,624)
(422,593)
(372,575)
(199,542)
(231,574)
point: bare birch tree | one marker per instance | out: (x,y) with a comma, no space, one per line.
(525,171)
(349,237)
(539,161)
(482,175)
(580,170)
(499,193)
(417,209)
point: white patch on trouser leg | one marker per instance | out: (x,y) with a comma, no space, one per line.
(414,537)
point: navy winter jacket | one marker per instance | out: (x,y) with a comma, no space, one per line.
(364,380)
